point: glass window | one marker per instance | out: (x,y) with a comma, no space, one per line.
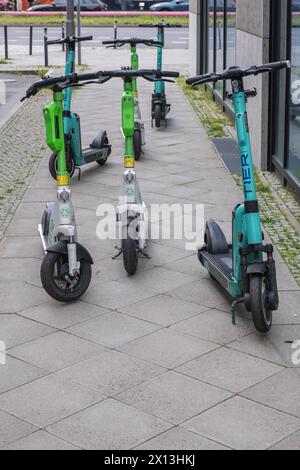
(294,150)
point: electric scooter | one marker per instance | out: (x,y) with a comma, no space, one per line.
(77,156)
(139,126)
(66,269)
(131,211)
(245,268)
(160,107)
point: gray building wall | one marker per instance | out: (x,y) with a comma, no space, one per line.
(253,37)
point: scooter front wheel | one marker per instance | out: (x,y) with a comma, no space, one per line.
(103,160)
(137,144)
(262,317)
(130,252)
(53,166)
(157,115)
(57,282)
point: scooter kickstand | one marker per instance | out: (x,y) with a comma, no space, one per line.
(79,172)
(118,255)
(241,300)
(144,254)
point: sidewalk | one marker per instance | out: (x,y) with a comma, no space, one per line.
(153,361)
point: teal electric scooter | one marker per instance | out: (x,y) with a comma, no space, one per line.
(160,107)
(77,156)
(245,268)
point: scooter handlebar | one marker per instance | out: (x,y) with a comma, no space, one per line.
(69,40)
(133,41)
(237,73)
(159,25)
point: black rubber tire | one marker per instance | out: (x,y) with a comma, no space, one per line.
(53,166)
(130,253)
(137,144)
(102,161)
(157,115)
(51,287)
(262,317)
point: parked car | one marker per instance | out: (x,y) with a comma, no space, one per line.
(61,5)
(174,5)
(129,5)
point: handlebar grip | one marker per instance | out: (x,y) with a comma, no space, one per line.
(55,41)
(110,42)
(170,74)
(84,38)
(284,64)
(197,79)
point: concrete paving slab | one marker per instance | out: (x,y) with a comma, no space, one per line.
(216,326)
(109,425)
(12,428)
(282,392)
(163,310)
(40,440)
(243,425)
(56,351)
(28,296)
(16,330)
(39,403)
(291,443)
(229,370)
(168,348)
(113,329)
(111,372)
(173,397)
(15,373)
(179,438)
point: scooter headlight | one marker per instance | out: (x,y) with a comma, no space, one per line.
(64,196)
(129,177)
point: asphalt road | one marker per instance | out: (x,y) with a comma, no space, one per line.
(12,89)
(177,38)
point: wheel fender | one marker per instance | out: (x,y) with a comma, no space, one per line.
(256,268)
(62,249)
(100,140)
(216,240)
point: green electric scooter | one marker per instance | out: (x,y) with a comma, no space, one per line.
(245,268)
(139,125)
(66,268)
(160,107)
(77,156)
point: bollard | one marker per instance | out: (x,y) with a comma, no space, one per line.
(30,39)
(115,32)
(5,42)
(220,35)
(46,47)
(79,29)
(63,35)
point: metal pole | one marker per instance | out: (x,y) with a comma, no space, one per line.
(5,43)
(220,35)
(79,30)
(46,47)
(63,34)
(30,39)
(115,32)
(70,23)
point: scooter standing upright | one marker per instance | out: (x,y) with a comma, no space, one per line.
(131,211)
(66,269)
(77,156)
(160,107)
(139,125)
(245,268)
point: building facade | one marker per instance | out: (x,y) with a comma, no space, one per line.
(242,32)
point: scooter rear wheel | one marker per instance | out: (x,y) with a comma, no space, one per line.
(137,144)
(53,166)
(54,270)
(130,253)
(262,317)
(157,115)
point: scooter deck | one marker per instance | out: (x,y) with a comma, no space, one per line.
(219,266)
(91,155)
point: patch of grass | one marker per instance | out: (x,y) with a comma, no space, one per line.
(5,61)
(209,113)
(88,20)
(42,72)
